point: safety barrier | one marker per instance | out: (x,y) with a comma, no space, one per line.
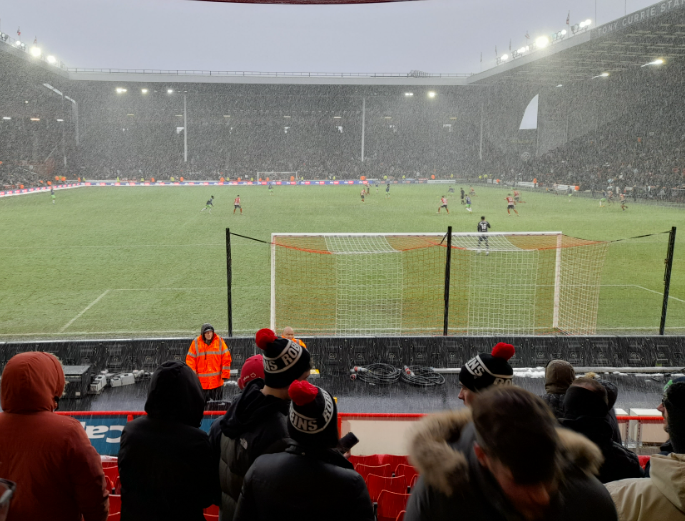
(378,432)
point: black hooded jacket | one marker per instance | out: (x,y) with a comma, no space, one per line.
(586,413)
(254,424)
(165,461)
(304,482)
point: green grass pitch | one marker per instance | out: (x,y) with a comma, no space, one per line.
(145,262)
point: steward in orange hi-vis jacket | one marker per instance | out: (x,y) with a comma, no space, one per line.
(209,357)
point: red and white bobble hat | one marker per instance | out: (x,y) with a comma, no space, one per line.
(485,370)
(313,418)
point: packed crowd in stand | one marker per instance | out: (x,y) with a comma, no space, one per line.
(276,453)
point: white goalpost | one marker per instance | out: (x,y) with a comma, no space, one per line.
(365,284)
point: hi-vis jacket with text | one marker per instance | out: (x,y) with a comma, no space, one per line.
(211,363)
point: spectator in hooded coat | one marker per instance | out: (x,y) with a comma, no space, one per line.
(506,459)
(310,479)
(612,396)
(662,495)
(559,376)
(586,411)
(58,473)
(166,464)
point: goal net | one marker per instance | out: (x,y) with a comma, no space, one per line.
(394,284)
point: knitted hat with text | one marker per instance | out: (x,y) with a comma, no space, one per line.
(284,361)
(485,370)
(313,418)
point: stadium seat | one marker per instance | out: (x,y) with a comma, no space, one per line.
(372,459)
(379,470)
(412,484)
(376,484)
(110,465)
(390,504)
(114,508)
(400,516)
(406,470)
(211,513)
(643,460)
(391,459)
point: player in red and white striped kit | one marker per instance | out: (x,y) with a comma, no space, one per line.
(443,204)
(236,204)
(511,205)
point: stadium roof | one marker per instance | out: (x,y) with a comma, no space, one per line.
(657,31)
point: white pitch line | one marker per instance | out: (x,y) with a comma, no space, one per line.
(82,312)
(657,292)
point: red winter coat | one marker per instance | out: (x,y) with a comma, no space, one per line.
(57,471)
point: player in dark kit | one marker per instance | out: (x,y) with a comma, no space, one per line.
(271,189)
(209,205)
(483,227)
(462,195)
(387,190)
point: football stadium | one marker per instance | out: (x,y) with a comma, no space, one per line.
(399,225)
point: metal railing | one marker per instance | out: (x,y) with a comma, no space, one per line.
(411,74)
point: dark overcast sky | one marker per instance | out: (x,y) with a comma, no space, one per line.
(431,35)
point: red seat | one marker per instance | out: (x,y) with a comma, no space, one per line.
(406,470)
(211,513)
(114,507)
(400,516)
(412,484)
(643,460)
(379,470)
(392,459)
(110,466)
(390,504)
(376,484)
(372,459)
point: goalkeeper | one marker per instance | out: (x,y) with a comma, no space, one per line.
(482,228)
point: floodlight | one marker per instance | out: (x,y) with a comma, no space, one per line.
(542,42)
(286,116)
(227,116)
(120,90)
(431,94)
(560,85)
(521,50)
(36,51)
(144,91)
(563,32)
(6,117)
(505,57)
(170,91)
(408,94)
(60,120)
(658,61)
(387,117)
(588,22)
(178,115)
(35,119)
(604,74)
(17,43)
(337,117)
(51,59)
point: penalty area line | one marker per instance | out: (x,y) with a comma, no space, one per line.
(82,312)
(657,292)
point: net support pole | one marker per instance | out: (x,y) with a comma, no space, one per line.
(448,266)
(557,283)
(229,282)
(272,320)
(667,278)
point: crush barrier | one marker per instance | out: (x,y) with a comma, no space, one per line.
(379,433)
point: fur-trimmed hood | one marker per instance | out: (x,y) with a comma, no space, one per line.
(440,443)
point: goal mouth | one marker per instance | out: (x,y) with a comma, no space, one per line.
(368,284)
